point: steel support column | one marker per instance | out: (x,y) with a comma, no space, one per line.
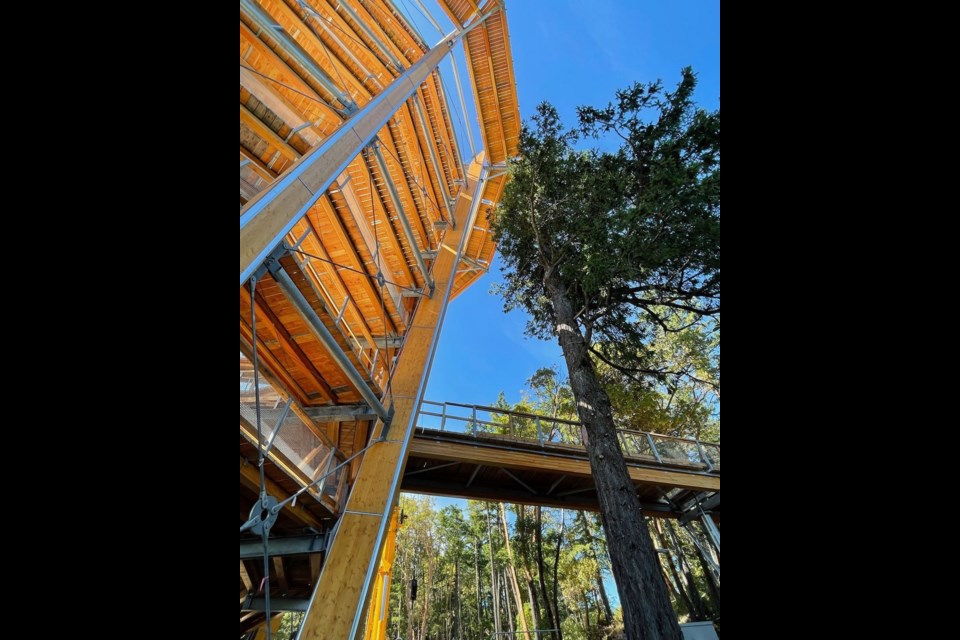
(343,592)
(266,219)
(711,529)
(326,338)
(295,545)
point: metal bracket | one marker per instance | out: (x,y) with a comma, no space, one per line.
(262,516)
(272,262)
(297,129)
(387,422)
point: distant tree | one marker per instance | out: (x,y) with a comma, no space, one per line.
(602,248)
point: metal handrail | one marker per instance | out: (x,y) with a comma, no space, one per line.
(550,425)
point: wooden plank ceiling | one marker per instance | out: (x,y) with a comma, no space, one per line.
(300,79)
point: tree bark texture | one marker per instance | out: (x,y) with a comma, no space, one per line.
(647,612)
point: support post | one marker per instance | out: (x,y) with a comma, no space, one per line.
(343,593)
(711,528)
(653,448)
(322,334)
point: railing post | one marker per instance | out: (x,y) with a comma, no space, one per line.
(343,310)
(539,432)
(474,423)
(653,448)
(703,456)
(443,416)
(276,427)
(711,529)
(326,470)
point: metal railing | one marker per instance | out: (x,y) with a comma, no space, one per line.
(496,423)
(288,439)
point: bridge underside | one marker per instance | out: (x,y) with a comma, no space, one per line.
(492,467)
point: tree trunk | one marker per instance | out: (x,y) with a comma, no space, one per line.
(608,613)
(707,575)
(506,601)
(647,613)
(427,589)
(476,573)
(494,591)
(695,598)
(512,573)
(534,610)
(523,552)
(410,606)
(456,567)
(677,584)
(556,568)
(541,571)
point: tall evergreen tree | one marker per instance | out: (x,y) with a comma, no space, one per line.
(602,247)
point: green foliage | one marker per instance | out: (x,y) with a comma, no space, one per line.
(289,625)
(634,234)
(683,398)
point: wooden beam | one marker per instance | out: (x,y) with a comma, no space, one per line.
(273,100)
(250,478)
(258,166)
(281,573)
(428,203)
(342,597)
(268,135)
(313,45)
(269,363)
(275,622)
(328,266)
(535,461)
(267,218)
(288,344)
(255,53)
(383,217)
(325,207)
(394,157)
(368,234)
(245,578)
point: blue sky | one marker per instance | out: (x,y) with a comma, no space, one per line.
(569,53)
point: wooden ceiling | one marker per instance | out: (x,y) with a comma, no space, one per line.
(306,66)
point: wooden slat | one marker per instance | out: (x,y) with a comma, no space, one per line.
(257,125)
(277,103)
(255,53)
(325,207)
(282,203)
(288,344)
(257,165)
